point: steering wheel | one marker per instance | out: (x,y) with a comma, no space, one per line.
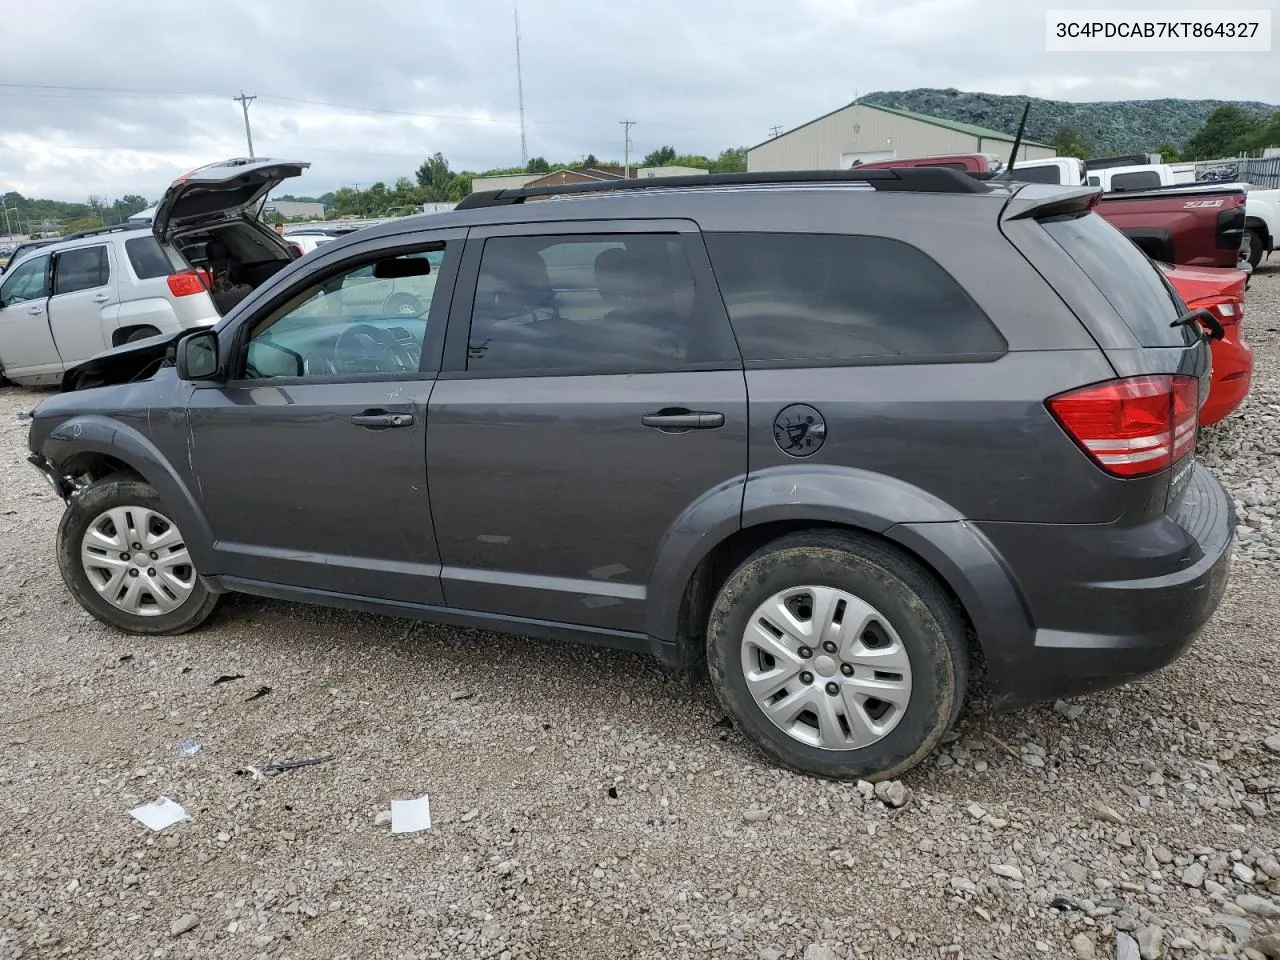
(388,354)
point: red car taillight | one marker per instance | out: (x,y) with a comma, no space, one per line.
(1132,427)
(189,282)
(1228,310)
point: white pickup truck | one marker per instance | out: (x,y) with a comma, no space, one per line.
(1262,207)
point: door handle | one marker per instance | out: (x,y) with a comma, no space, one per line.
(683,420)
(101,298)
(382,420)
(35,311)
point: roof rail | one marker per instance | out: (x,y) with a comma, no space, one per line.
(113,228)
(914,179)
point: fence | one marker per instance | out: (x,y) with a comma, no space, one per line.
(1263,173)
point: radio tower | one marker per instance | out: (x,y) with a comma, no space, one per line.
(524,143)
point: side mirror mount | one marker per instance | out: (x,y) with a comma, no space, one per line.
(196,356)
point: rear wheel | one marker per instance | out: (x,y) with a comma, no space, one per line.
(1255,244)
(142,333)
(837,655)
(126,562)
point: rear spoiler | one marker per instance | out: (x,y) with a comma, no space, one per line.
(1064,202)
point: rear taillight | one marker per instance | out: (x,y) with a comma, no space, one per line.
(1132,427)
(189,282)
(1228,310)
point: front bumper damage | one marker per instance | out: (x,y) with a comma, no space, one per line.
(63,486)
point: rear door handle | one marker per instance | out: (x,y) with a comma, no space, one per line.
(382,420)
(35,311)
(683,420)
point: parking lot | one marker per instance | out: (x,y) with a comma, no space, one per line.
(588,804)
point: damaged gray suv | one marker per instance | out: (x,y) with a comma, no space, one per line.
(827,436)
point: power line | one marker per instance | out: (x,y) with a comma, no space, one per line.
(244,102)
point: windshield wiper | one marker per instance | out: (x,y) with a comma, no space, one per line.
(1196,317)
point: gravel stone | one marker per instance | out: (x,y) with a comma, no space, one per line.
(1107,814)
(668,865)
(817,951)
(1258,906)
(892,793)
(184,924)
(1194,875)
(1083,947)
(1150,943)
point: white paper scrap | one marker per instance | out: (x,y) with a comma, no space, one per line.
(163,813)
(410,816)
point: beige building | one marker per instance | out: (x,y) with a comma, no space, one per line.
(865,133)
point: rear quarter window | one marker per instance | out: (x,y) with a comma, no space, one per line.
(845,299)
(146,258)
(1132,284)
(1047,174)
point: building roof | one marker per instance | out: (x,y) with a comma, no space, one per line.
(972,130)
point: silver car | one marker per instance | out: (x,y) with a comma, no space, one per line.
(201,254)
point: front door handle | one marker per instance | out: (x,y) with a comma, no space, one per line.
(35,311)
(101,298)
(683,420)
(382,420)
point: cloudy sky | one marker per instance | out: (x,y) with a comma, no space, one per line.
(118,96)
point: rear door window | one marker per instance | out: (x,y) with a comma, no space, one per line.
(845,299)
(81,269)
(1125,276)
(1142,180)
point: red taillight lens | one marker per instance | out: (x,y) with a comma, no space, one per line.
(1228,310)
(188,282)
(1132,427)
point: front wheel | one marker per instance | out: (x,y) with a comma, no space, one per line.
(837,655)
(126,561)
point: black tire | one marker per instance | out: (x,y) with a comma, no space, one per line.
(1255,247)
(403,304)
(142,333)
(86,507)
(931,629)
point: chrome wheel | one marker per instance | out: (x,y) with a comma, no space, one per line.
(136,560)
(826,667)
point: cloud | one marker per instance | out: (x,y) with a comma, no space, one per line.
(136,91)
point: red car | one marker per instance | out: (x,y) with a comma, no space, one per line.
(1221,292)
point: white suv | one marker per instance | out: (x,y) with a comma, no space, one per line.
(203,252)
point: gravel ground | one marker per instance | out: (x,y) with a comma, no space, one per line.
(589,805)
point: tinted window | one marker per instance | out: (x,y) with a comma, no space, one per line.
(371,320)
(1095,182)
(27,281)
(146,258)
(81,269)
(1048,174)
(625,302)
(1135,181)
(1125,276)
(822,297)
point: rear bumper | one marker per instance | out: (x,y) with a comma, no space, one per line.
(1232,377)
(1108,604)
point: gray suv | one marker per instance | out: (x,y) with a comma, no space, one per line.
(827,436)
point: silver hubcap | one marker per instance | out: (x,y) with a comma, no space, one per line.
(136,559)
(826,668)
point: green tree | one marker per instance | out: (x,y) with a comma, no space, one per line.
(733,160)
(537,165)
(1266,135)
(1071,141)
(1168,154)
(691,160)
(661,157)
(1223,134)
(591,161)
(434,171)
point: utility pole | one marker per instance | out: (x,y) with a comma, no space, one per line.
(626,147)
(775,129)
(244,102)
(524,143)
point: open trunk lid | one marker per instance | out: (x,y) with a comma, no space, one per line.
(220,191)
